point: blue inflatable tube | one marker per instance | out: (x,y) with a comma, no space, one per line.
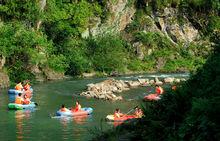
(16,92)
(83,111)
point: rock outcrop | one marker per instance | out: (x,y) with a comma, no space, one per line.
(4,80)
(44,74)
(121,13)
(109,89)
(178,32)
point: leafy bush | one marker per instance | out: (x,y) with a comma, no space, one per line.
(22,48)
(27,11)
(109,53)
(153,40)
(191,112)
(135,65)
(57,63)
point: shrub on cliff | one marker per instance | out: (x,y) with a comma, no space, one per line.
(108,53)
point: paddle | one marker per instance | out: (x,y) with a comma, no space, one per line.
(130,110)
(35,103)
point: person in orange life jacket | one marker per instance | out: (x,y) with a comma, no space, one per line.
(19,99)
(19,86)
(77,107)
(117,113)
(64,109)
(173,87)
(26,100)
(159,90)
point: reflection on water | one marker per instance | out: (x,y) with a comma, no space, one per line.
(82,119)
(22,128)
(68,130)
(65,131)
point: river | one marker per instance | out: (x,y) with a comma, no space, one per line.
(36,125)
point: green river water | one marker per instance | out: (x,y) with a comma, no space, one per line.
(37,125)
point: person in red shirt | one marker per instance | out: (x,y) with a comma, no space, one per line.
(159,90)
(26,100)
(27,86)
(77,107)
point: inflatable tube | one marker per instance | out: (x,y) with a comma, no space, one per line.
(83,111)
(152,97)
(14,106)
(16,92)
(120,119)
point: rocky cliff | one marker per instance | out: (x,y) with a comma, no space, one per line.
(122,13)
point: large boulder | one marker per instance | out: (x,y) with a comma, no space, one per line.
(52,75)
(108,88)
(169,80)
(158,82)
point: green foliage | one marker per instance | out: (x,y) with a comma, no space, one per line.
(57,63)
(138,65)
(22,48)
(153,40)
(59,45)
(109,53)
(189,113)
(69,19)
(78,59)
(213,24)
(204,5)
(135,65)
(21,10)
(182,65)
(141,22)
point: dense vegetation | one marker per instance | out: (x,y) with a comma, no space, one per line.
(35,33)
(189,113)
(192,111)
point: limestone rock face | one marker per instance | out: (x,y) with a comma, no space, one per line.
(39,76)
(139,48)
(44,74)
(4,80)
(52,75)
(176,31)
(121,13)
(2,61)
